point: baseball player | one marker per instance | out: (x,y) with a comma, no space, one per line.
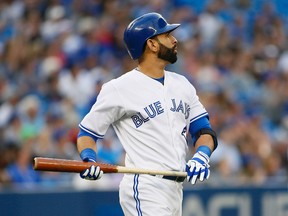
(151,111)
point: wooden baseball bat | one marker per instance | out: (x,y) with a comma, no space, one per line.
(74,166)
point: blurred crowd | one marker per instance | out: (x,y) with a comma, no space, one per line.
(55,55)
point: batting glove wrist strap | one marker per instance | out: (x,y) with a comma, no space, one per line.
(205,149)
(88,154)
(198,167)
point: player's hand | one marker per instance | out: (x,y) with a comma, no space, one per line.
(198,167)
(92,173)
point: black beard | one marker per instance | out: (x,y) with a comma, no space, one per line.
(167,54)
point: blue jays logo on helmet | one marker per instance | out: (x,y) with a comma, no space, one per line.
(141,29)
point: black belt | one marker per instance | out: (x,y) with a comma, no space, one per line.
(173,178)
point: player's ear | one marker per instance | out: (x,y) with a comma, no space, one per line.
(152,45)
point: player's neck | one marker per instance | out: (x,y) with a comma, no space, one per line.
(152,70)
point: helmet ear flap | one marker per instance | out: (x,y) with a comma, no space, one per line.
(143,28)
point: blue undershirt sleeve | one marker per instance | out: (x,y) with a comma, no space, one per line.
(197,125)
(84,133)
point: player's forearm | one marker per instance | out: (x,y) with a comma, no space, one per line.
(85,142)
(205,140)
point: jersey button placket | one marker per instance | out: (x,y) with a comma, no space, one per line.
(169,115)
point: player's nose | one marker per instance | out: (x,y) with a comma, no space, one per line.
(174,40)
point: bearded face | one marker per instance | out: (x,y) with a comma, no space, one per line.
(167,54)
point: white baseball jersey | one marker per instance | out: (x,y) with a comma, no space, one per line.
(150,119)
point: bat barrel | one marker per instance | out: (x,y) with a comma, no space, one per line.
(73,166)
(59,165)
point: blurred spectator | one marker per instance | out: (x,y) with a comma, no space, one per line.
(55,23)
(12,133)
(20,172)
(32,120)
(76,85)
(209,26)
(8,107)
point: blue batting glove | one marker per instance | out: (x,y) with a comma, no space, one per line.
(92,173)
(198,167)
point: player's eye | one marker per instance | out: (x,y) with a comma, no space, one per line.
(169,35)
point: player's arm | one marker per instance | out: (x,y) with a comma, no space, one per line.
(106,110)
(205,142)
(84,143)
(87,148)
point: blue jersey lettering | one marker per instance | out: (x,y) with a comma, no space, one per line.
(179,107)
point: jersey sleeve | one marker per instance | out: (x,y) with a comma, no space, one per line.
(107,109)
(197,110)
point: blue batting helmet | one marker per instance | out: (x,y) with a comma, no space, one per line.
(141,29)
